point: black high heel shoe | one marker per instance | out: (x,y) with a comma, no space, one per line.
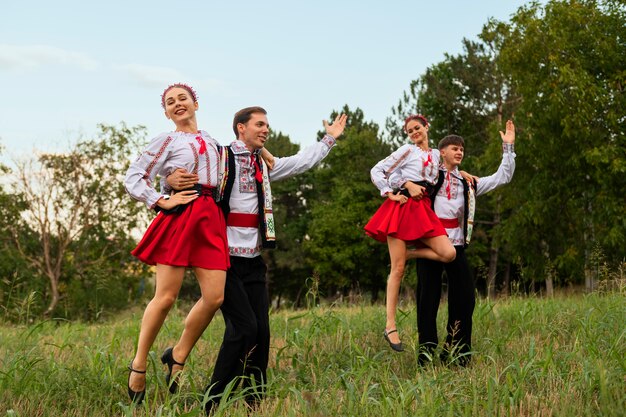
(395,346)
(135,396)
(168,359)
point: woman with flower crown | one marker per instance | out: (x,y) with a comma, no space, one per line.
(189,231)
(406,217)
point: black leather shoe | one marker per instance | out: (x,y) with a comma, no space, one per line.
(395,346)
(135,396)
(168,359)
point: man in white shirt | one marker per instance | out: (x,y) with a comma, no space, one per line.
(454,205)
(250,227)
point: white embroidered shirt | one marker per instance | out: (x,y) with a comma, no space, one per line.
(164,154)
(407,163)
(454,207)
(246,241)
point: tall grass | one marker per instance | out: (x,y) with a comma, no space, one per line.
(564,356)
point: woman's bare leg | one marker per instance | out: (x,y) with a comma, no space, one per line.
(439,249)
(212,288)
(397,254)
(168,282)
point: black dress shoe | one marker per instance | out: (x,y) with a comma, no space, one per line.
(135,396)
(395,346)
(168,359)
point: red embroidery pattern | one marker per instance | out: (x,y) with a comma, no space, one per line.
(246,175)
(195,158)
(452,188)
(157,156)
(402,157)
(208,165)
(328,141)
(235,251)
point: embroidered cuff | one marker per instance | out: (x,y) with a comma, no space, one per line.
(153,206)
(508,147)
(384,191)
(328,140)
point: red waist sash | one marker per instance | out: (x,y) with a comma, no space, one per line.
(242,220)
(450,223)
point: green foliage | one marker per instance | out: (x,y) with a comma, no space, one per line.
(74,227)
(338,248)
(17,292)
(562,356)
(287,270)
(567,61)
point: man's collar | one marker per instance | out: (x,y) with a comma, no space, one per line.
(239,147)
(454,172)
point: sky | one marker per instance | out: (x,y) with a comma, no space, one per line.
(68,65)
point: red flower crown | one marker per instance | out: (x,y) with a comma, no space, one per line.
(419,117)
(179,85)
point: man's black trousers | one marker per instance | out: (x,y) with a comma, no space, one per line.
(461,302)
(245,348)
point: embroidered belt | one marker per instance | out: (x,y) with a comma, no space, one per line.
(450,223)
(242,220)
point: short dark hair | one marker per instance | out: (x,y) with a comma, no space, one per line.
(243,115)
(451,140)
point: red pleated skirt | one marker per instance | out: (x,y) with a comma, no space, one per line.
(410,221)
(195,237)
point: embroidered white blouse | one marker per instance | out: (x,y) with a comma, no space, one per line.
(164,154)
(453,208)
(246,241)
(407,163)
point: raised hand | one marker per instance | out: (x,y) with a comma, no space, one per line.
(509,136)
(336,129)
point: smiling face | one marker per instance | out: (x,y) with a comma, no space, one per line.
(254,132)
(418,133)
(180,106)
(452,155)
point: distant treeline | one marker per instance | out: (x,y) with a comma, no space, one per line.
(67,225)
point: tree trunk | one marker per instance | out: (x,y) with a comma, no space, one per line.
(507,280)
(591,260)
(493,267)
(54,300)
(549,286)
(493,257)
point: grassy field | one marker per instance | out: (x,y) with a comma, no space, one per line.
(564,356)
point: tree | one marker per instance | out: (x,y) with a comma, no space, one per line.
(75,203)
(337,248)
(16,289)
(567,63)
(287,271)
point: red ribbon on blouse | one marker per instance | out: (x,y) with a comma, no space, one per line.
(202,144)
(428,160)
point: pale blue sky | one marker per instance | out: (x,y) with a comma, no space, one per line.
(67,65)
